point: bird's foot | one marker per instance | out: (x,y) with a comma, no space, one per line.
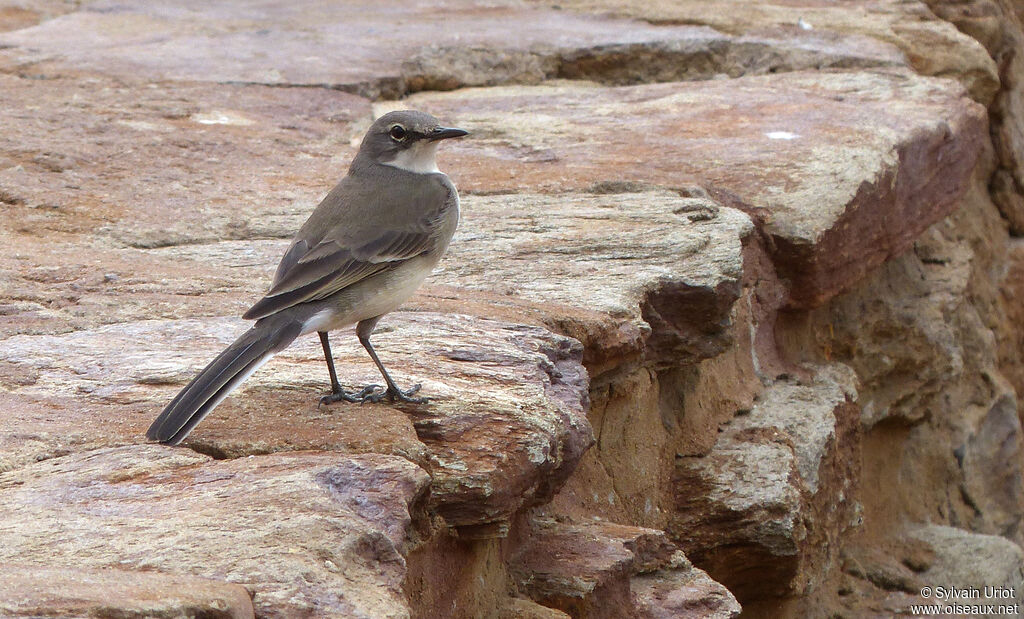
(355,396)
(397,395)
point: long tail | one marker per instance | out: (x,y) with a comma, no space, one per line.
(238,361)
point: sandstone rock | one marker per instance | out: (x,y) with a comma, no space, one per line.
(997,26)
(929,364)
(1011,361)
(931,45)
(506,426)
(843,190)
(606,570)
(140,166)
(993,483)
(972,560)
(510,254)
(309,533)
(687,593)
(375,51)
(520,608)
(757,512)
(78,592)
(18,14)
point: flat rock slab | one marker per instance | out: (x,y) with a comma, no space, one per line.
(933,46)
(630,274)
(95,593)
(844,169)
(406,46)
(505,426)
(173,163)
(311,534)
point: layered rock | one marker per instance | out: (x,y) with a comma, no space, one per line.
(311,533)
(774,295)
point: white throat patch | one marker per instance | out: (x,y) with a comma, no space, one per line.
(420,158)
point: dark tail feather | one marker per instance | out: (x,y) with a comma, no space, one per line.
(221,377)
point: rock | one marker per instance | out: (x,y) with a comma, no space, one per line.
(993,483)
(226,156)
(497,389)
(408,47)
(837,200)
(78,592)
(965,560)
(509,258)
(687,593)
(605,570)
(997,26)
(764,512)
(306,532)
(519,608)
(932,46)
(1011,362)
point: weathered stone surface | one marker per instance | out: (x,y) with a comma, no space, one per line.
(512,250)
(973,561)
(998,26)
(137,189)
(929,365)
(844,170)
(763,512)
(312,534)
(141,166)
(1011,360)
(408,46)
(687,593)
(932,46)
(77,592)
(601,569)
(505,428)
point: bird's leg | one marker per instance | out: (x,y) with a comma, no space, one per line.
(337,393)
(363,331)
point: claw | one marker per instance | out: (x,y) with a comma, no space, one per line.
(353,397)
(374,394)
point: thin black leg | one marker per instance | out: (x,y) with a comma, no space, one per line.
(337,393)
(326,343)
(363,331)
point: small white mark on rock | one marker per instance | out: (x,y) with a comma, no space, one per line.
(781,135)
(139,125)
(221,118)
(804,25)
(611,498)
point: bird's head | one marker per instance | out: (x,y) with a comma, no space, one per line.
(406,140)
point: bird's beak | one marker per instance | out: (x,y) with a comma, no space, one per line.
(443,133)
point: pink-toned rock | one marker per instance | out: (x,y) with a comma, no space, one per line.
(311,534)
(931,45)
(1013,294)
(844,170)
(997,25)
(407,46)
(606,570)
(78,592)
(764,512)
(505,427)
(687,593)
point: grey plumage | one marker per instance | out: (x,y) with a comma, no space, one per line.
(363,251)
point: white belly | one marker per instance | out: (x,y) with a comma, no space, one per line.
(371,297)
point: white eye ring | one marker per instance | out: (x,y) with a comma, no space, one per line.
(398,133)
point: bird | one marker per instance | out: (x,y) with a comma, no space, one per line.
(364,250)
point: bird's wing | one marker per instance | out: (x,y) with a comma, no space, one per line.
(309,274)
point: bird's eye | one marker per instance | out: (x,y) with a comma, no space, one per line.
(398,133)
